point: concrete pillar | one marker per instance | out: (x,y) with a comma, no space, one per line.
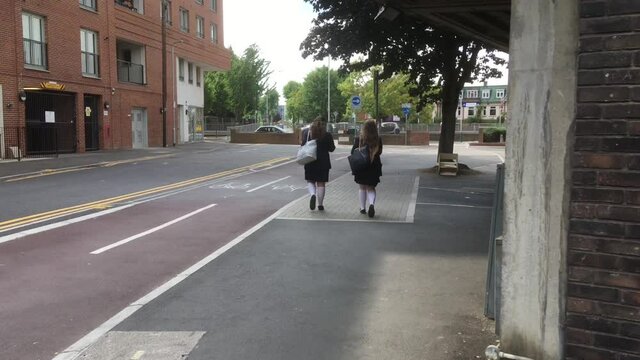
(542,91)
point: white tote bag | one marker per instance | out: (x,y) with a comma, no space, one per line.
(307,152)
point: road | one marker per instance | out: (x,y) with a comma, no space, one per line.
(80,243)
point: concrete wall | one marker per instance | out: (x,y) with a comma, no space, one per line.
(544,36)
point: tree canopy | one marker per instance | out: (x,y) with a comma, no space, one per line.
(247,80)
(437,62)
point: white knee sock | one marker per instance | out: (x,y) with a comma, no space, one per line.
(320,192)
(312,188)
(363,198)
(371,195)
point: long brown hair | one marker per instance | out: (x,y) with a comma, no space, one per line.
(370,138)
(317,128)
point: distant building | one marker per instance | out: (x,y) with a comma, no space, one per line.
(88,75)
(486,101)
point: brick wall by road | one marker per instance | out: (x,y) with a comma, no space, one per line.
(603,257)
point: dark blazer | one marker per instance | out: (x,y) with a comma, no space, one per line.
(371,175)
(319,170)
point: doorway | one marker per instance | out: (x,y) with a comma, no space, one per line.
(91,128)
(139,130)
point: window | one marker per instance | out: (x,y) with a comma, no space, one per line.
(89,51)
(167,12)
(461,95)
(500,93)
(214,33)
(133,5)
(190,72)
(214,5)
(200,27)
(458,110)
(200,2)
(89,4)
(492,111)
(471,112)
(472,93)
(35,46)
(486,94)
(184,20)
(484,111)
(181,69)
(198,76)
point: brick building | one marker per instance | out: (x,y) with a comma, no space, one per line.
(89,76)
(488,102)
(570,276)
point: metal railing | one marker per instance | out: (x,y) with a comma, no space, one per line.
(130,72)
(38,141)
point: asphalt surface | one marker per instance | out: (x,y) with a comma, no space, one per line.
(300,284)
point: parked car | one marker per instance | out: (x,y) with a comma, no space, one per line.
(272,129)
(389,128)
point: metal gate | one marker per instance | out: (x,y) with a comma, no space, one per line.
(91,128)
(50,123)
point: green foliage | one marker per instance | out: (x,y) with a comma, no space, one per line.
(274,98)
(247,81)
(310,101)
(217,100)
(493,134)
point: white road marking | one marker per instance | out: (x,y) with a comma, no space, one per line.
(456,205)
(40,229)
(267,184)
(150,231)
(342,158)
(411,211)
(499,157)
(73,351)
(137,355)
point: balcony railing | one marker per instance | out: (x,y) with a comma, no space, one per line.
(35,53)
(130,72)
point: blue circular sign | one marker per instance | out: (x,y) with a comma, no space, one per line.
(355,101)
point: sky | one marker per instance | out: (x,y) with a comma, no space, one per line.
(277,27)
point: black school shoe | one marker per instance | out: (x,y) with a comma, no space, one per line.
(312,202)
(363,211)
(320,207)
(372,211)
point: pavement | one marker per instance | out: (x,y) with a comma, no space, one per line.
(302,284)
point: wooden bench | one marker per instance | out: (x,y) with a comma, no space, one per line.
(448,164)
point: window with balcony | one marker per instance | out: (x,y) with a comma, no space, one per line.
(131,60)
(500,93)
(89,4)
(133,5)
(492,111)
(214,5)
(200,27)
(33,39)
(184,20)
(472,93)
(198,76)
(167,12)
(190,72)
(214,33)
(89,53)
(486,94)
(181,69)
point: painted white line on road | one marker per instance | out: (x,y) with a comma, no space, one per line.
(499,157)
(150,231)
(342,158)
(40,229)
(411,211)
(73,351)
(267,184)
(456,205)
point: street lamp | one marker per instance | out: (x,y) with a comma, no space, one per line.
(326,46)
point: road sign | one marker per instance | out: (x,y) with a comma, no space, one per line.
(356,102)
(406,111)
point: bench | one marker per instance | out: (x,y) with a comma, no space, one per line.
(448,164)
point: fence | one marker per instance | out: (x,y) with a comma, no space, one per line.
(494,268)
(36,141)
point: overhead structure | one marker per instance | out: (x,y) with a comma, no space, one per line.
(487,21)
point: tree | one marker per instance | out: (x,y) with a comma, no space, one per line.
(438,62)
(247,81)
(313,94)
(274,98)
(217,100)
(293,95)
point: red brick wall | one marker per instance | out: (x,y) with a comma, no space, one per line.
(112,22)
(603,290)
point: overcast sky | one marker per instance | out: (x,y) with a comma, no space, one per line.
(277,27)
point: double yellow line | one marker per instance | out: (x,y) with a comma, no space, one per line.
(106,203)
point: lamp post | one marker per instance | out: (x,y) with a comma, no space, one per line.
(326,46)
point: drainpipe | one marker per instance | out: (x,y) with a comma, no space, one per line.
(493,353)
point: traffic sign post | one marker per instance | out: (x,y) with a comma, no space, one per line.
(356,102)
